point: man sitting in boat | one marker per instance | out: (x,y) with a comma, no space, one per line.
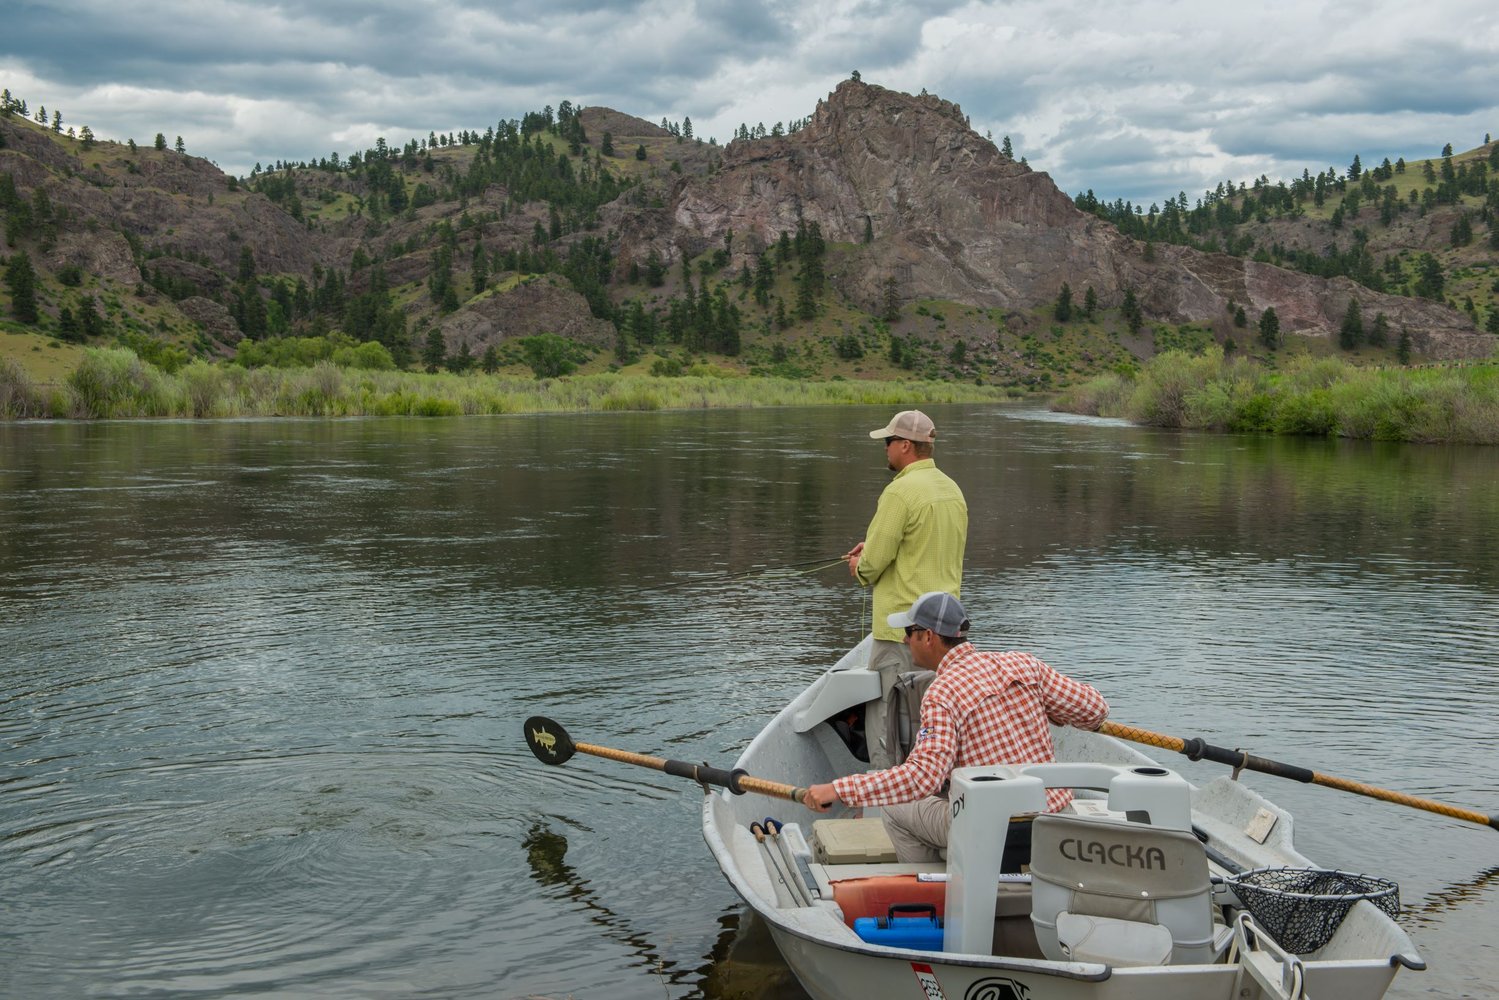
(982,708)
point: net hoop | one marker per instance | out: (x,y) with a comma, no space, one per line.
(1302,908)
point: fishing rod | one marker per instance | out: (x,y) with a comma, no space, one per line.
(791,569)
(1196,749)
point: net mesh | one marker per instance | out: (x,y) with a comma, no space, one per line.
(1301,908)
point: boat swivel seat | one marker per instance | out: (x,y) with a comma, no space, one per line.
(1110,890)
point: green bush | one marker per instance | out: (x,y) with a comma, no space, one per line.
(368,356)
(203,387)
(305,352)
(1309,413)
(114,382)
(1162,392)
(1253,412)
(550,355)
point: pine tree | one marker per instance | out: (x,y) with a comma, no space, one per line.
(91,319)
(765,277)
(435,352)
(20,277)
(479,268)
(890,304)
(1462,231)
(1063,309)
(1270,328)
(1351,333)
(1403,348)
(68,327)
(1430,280)
(1130,309)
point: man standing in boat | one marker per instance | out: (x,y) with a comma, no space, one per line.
(983,708)
(913,544)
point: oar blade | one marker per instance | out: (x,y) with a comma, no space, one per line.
(548,740)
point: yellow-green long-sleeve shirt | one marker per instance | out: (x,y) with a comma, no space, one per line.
(914,543)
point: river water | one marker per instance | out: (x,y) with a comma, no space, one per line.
(263,681)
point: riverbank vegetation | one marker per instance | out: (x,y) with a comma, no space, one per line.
(116,382)
(1308,396)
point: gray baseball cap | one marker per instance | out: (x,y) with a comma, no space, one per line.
(936,610)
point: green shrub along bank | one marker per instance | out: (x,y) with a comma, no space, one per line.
(1323,397)
(115,383)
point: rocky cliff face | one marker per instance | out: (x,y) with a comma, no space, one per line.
(953,218)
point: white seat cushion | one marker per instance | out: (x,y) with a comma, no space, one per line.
(1113,942)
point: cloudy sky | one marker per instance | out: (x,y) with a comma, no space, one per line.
(1133,100)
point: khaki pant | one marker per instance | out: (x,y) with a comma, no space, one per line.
(919,832)
(890,659)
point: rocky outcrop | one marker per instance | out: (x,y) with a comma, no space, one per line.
(212,318)
(543,304)
(103,254)
(953,218)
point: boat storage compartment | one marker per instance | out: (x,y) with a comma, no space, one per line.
(919,928)
(872,898)
(868,898)
(851,842)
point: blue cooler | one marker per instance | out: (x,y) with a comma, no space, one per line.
(923,933)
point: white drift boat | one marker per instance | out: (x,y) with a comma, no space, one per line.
(1136,892)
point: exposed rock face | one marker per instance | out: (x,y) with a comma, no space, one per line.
(541,305)
(213,318)
(102,253)
(953,218)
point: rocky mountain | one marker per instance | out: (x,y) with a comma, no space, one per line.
(954,219)
(619,233)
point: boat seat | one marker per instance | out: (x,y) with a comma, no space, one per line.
(1109,890)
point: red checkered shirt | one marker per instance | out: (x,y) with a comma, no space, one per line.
(983,708)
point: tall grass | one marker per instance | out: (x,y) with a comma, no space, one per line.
(19,395)
(116,383)
(1312,396)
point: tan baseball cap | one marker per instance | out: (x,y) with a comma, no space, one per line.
(913,425)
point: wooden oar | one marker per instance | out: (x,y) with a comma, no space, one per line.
(1196,749)
(551,745)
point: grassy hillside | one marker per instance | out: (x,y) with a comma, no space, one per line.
(397,245)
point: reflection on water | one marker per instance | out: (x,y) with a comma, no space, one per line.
(260,708)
